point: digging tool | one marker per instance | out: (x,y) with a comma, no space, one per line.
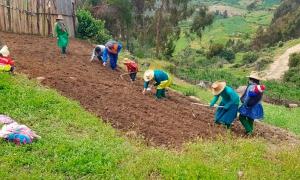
(121,76)
(206,105)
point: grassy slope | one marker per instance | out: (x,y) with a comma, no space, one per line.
(276,115)
(76,144)
(222,30)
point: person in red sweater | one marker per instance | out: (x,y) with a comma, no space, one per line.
(132,68)
(6,62)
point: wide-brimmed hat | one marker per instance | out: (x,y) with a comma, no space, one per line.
(254,75)
(4,51)
(148,75)
(217,87)
(60,17)
(127,61)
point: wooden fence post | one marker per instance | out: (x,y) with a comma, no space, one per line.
(9,15)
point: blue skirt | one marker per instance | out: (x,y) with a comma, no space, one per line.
(224,116)
(254,112)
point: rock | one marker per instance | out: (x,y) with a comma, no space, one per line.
(194,98)
(40,79)
(293,105)
(240,90)
(240,173)
(73,78)
(204,84)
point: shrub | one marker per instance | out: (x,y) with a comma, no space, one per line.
(215,49)
(250,57)
(91,28)
(294,60)
(228,54)
(292,75)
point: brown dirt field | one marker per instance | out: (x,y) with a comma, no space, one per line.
(100,90)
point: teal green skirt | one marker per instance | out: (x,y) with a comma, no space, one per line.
(224,116)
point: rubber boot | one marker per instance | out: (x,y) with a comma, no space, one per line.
(245,122)
(64,50)
(163,94)
(159,93)
(251,122)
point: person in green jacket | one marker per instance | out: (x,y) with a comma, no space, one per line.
(162,81)
(227,112)
(62,34)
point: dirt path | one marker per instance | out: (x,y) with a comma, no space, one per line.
(281,64)
(100,90)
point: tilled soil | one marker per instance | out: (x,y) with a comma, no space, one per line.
(101,91)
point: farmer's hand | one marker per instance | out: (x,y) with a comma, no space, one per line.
(104,64)
(144,91)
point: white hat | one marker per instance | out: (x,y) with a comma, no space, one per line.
(4,51)
(148,75)
(254,75)
(217,87)
(60,17)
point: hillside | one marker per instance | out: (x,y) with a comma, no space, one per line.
(285,25)
(76,144)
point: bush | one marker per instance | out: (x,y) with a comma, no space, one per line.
(294,60)
(292,75)
(228,54)
(215,49)
(250,57)
(91,28)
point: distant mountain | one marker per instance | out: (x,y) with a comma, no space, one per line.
(285,25)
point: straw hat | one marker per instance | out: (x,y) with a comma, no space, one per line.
(60,17)
(254,75)
(217,87)
(148,75)
(4,51)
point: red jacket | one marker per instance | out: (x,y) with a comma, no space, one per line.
(6,61)
(131,66)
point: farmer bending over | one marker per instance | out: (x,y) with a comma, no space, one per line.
(251,108)
(230,101)
(112,50)
(132,68)
(98,52)
(162,81)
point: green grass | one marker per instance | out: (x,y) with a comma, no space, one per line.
(276,115)
(78,145)
(237,27)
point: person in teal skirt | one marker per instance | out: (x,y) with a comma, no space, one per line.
(62,34)
(227,112)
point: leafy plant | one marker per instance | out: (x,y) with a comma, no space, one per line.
(91,28)
(250,57)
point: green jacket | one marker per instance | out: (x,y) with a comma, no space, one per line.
(62,34)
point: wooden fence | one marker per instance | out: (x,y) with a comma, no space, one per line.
(36,16)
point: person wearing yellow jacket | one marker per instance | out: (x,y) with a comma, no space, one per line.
(162,81)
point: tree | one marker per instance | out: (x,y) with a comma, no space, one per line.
(201,20)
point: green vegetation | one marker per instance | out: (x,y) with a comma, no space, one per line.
(284,26)
(293,74)
(90,28)
(78,145)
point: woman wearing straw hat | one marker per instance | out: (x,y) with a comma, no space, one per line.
(229,104)
(251,108)
(62,34)
(162,81)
